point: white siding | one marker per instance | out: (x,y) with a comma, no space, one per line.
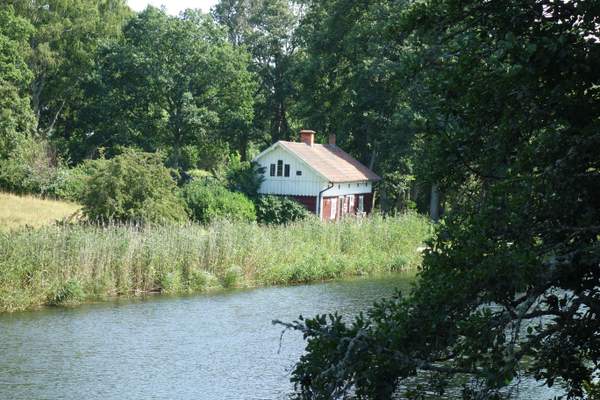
(308,184)
(342,189)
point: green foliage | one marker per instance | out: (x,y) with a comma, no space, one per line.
(33,167)
(16,117)
(71,183)
(592,390)
(60,56)
(279,210)
(265,28)
(207,201)
(132,187)
(172,84)
(69,292)
(241,176)
(125,260)
(508,92)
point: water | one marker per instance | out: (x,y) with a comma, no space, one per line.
(218,346)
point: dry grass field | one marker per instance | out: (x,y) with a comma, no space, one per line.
(18,211)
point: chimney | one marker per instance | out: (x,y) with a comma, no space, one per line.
(332,139)
(307,137)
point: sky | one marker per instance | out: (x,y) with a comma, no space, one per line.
(173,7)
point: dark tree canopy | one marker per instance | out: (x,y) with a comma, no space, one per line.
(511,284)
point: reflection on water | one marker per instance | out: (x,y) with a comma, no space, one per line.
(218,346)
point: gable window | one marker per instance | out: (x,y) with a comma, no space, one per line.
(298,173)
(279,167)
(272,170)
(286,171)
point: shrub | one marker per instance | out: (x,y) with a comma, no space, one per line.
(71,183)
(32,167)
(279,210)
(240,176)
(133,186)
(207,201)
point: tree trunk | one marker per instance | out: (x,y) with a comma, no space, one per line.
(244,149)
(373,157)
(434,203)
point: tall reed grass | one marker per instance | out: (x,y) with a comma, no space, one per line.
(57,264)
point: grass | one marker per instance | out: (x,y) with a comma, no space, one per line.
(73,263)
(18,211)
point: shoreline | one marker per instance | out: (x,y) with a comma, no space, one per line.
(71,265)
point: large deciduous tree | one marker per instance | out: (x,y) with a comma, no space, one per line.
(172,84)
(265,28)
(61,55)
(511,284)
(16,116)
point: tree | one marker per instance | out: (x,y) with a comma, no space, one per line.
(265,28)
(350,84)
(16,117)
(171,83)
(61,55)
(510,286)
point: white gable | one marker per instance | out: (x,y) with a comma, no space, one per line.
(303,180)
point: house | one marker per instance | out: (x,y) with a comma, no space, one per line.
(324,178)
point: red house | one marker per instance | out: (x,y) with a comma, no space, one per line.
(323,177)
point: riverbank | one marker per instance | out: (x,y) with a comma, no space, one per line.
(70,264)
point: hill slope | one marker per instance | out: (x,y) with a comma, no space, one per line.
(17,211)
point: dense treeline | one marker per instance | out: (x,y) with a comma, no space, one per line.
(88,79)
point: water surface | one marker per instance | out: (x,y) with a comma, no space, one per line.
(218,346)
(214,346)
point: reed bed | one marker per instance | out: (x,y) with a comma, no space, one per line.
(70,264)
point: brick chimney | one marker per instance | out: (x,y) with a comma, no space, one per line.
(332,139)
(307,136)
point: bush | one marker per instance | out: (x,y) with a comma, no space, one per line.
(71,183)
(240,176)
(207,201)
(32,167)
(133,186)
(279,210)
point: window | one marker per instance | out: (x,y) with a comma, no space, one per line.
(298,173)
(361,203)
(286,171)
(279,167)
(272,170)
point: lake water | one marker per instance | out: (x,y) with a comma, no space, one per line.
(214,346)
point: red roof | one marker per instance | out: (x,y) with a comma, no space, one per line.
(330,161)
